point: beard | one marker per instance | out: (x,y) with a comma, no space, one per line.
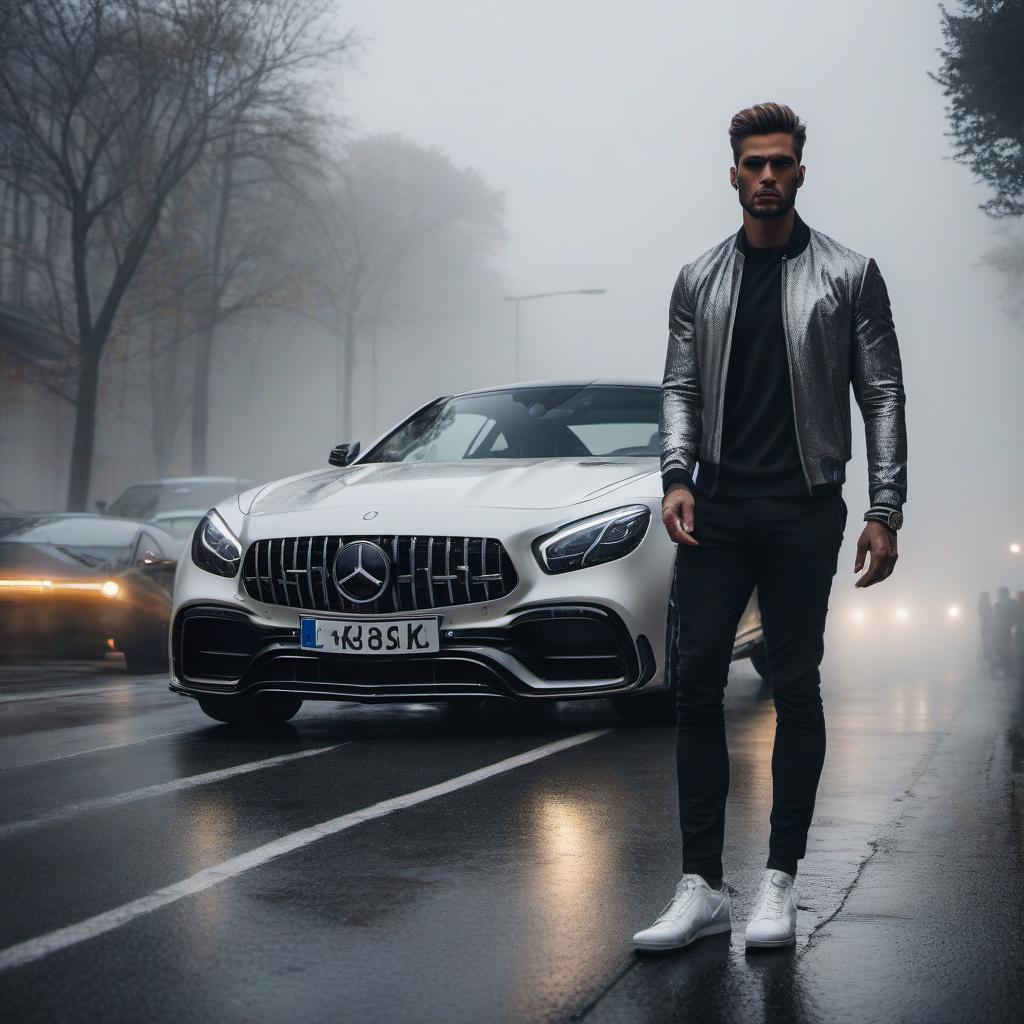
(783,205)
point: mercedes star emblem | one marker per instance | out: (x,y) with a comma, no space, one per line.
(361,571)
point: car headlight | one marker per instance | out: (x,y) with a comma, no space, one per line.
(214,547)
(591,541)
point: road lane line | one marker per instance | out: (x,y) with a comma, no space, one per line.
(35,949)
(105,746)
(13,828)
(70,691)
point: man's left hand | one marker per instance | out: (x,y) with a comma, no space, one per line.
(880,541)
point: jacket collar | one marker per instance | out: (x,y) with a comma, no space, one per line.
(798,240)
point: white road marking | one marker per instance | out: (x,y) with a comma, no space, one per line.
(71,691)
(102,803)
(96,750)
(197,730)
(41,946)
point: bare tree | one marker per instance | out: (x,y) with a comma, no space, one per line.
(390,206)
(106,106)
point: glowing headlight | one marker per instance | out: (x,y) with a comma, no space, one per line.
(215,548)
(591,541)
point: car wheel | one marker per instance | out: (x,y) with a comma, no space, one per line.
(759,659)
(264,709)
(657,708)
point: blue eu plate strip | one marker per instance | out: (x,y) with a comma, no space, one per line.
(308,633)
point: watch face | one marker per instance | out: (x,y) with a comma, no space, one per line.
(895,520)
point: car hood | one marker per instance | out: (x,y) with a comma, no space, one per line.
(481,483)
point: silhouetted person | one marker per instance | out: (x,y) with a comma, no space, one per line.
(1006,613)
(985,625)
(1018,637)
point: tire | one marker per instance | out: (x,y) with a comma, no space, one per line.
(262,710)
(759,659)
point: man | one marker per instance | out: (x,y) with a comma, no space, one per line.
(768,331)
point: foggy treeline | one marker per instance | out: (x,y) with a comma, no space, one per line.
(168,178)
(206,267)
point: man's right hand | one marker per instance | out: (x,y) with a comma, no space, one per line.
(677,514)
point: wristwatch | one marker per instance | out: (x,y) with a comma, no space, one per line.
(891,517)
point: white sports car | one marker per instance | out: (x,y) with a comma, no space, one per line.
(501,543)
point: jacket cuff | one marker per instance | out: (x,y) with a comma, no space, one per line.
(675,476)
(887,496)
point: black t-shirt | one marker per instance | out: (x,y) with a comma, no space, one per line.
(759,456)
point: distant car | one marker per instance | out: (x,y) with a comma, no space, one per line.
(504,542)
(179,523)
(149,499)
(69,582)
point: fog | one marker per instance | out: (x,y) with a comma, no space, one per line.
(605,126)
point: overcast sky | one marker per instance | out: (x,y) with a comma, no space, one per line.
(606,127)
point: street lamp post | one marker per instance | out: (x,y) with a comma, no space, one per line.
(543,295)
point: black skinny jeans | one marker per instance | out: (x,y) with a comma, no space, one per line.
(788,548)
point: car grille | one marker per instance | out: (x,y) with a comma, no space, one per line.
(426,572)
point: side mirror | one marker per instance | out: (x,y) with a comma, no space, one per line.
(101,507)
(343,454)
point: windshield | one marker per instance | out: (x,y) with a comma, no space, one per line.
(77,542)
(529,423)
(143,501)
(179,527)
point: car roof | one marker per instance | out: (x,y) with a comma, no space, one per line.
(139,524)
(28,514)
(173,481)
(548,382)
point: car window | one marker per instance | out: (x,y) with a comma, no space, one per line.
(180,527)
(452,440)
(543,422)
(143,501)
(619,438)
(148,549)
(138,502)
(91,541)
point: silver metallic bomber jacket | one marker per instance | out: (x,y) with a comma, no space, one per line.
(839,331)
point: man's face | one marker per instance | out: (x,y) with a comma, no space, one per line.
(767,175)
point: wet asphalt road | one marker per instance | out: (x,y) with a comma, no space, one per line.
(510,894)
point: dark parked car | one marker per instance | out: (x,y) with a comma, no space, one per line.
(148,499)
(68,583)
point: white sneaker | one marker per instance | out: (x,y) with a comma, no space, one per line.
(772,919)
(696,910)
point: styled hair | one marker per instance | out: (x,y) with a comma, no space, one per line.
(762,119)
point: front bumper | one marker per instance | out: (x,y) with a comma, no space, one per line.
(555,651)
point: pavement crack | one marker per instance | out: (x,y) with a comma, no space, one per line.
(875,845)
(887,834)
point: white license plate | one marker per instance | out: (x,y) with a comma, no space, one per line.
(379,636)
